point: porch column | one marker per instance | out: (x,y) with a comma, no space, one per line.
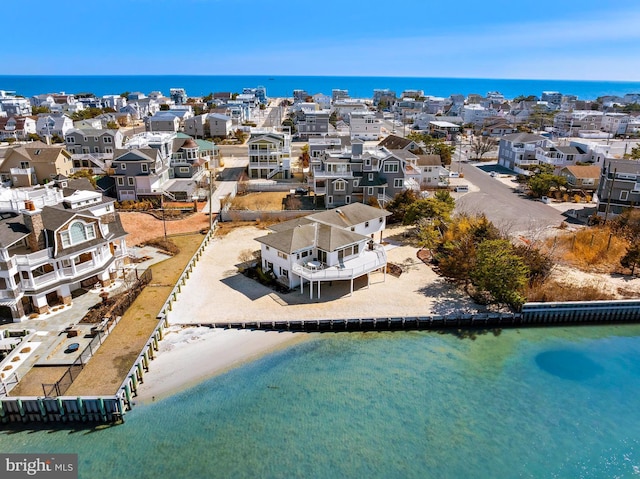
(319,282)
(351,291)
(64,294)
(310,289)
(40,304)
(17,312)
(105,278)
(301,285)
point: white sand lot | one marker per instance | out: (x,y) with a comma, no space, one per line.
(216,291)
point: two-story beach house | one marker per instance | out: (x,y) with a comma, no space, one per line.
(334,245)
(619,187)
(269,155)
(162,164)
(366,175)
(34,163)
(364,125)
(518,151)
(93,148)
(17,127)
(53,242)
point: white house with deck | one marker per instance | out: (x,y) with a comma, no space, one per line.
(334,245)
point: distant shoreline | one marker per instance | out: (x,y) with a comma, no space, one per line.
(283,86)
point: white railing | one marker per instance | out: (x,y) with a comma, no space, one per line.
(337,272)
(44,279)
(527,162)
(21,171)
(36,258)
(332,174)
(8,294)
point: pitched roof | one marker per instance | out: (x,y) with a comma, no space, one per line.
(393,142)
(429,160)
(523,138)
(583,171)
(326,237)
(403,154)
(349,215)
(38,152)
(12,229)
(136,154)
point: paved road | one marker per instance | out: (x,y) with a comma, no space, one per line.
(508,210)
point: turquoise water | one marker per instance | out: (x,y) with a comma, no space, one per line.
(560,403)
(283,86)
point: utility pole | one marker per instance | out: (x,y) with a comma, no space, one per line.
(164,223)
(210,201)
(606,211)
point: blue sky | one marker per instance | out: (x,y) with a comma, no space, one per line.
(560,39)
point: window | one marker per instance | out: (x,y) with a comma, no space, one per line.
(380,219)
(283,255)
(71,140)
(184,169)
(391,167)
(366,224)
(120,181)
(340,186)
(356,182)
(367,162)
(398,182)
(284,272)
(107,139)
(268,266)
(370,190)
(78,232)
(370,176)
(24,165)
(347,199)
(95,138)
(123,166)
(130,181)
(624,195)
(144,167)
(330,200)
(304,254)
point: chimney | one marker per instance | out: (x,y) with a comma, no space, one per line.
(33,221)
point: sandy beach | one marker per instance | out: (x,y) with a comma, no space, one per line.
(216,291)
(190,355)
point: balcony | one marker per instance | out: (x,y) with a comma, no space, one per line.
(367,261)
(22,171)
(35,259)
(9,294)
(332,174)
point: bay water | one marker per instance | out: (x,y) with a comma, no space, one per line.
(531,403)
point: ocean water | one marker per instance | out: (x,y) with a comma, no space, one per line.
(537,403)
(283,86)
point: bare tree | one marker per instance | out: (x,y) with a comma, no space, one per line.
(482,146)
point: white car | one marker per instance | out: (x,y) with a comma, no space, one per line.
(494,174)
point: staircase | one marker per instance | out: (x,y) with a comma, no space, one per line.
(274,172)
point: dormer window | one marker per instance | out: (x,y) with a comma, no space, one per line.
(78,232)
